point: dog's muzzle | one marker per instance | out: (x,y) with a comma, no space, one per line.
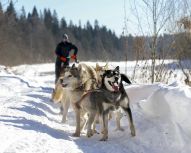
(62,83)
(114,85)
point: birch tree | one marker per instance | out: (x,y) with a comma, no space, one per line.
(153,18)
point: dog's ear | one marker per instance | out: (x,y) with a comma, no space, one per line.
(116,69)
(106,67)
(125,78)
(97,67)
(62,71)
(81,69)
(105,72)
(73,66)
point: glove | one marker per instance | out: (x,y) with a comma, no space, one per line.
(63,59)
(73,57)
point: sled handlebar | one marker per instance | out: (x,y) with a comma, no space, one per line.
(75,60)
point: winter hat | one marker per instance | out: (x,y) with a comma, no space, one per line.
(65,36)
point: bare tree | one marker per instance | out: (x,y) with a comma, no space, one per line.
(124,34)
(139,49)
(183,41)
(153,16)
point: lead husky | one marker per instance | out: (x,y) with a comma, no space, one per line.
(111,96)
(87,80)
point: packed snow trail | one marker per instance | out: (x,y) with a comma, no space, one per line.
(30,122)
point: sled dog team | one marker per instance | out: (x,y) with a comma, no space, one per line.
(93,92)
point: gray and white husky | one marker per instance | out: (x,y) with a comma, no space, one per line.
(109,97)
(82,78)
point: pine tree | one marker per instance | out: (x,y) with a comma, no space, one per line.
(35,13)
(48,19)
(35,20)
(71,25)
(1,13)
(29,16)
(1,23)
(63,23)
(11,10)
(23,14)
(88,25)
(1,8)
(55,24)
(96,25)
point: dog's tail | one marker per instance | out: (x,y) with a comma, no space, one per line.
(78,103)
(125,78)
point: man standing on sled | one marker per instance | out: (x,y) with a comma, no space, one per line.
(63,54)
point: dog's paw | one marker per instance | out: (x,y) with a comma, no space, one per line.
(96,132)
(133,133)
(119,129)
(102,131)
(90,133)
(76,134)
(104,138)
(64,120)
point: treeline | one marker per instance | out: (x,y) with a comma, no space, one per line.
(32,37)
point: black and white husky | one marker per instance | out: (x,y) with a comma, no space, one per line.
(110,96)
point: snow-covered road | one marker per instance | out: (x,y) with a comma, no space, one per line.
(30,122)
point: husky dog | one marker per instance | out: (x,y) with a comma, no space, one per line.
(61,95)
(110,96)
(118,113)
(100,70)
(87,80)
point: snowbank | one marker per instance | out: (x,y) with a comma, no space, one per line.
(170,107)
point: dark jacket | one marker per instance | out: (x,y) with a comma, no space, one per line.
(63,49)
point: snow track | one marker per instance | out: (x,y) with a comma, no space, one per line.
(30,122)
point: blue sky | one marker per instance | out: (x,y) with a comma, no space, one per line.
(108,12)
